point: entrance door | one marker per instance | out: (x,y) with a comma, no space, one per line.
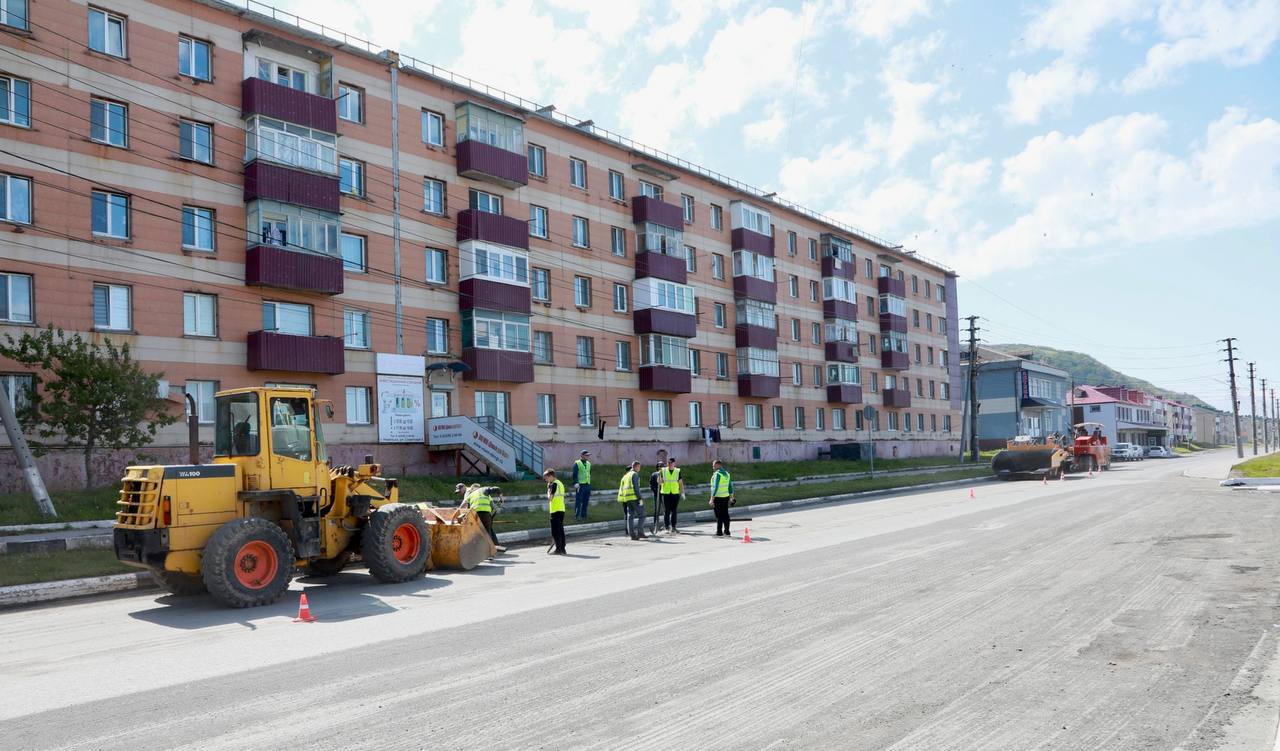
(439,404)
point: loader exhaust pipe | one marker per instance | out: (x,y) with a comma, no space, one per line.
(193,431)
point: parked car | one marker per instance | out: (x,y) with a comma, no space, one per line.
(1160,452)
(1127,452)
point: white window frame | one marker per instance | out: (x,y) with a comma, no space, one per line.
(758,361)
(799,418)
(724,414)
(659,413)
(722,365)
(269,70)
(17,104)
(431,188)
(543,355)
(686,208)
(116,47)
(290,311)
(748,312)
(626,413)
(537,156)
(665,351)
(717,217)
(356,329)
(481,200)
(578,172)
(546,410)
(752,416)
(350,98)
(510,332)
(581,232)
(620,301)
(189,146)
(10,18)
(200,221)
(587,411)
(201,392)
(617,186)
(359,402)
(584,350)
(501,263)
(695,414)
(651,190)
(355,168)
(437,273)
(292,145)
(501,404)
(539,225)
(719,315)
(433,121)
(9,315)
(797,374)
(355,266)
(582,291)
(651,292)
(747,263)
(717,266)
(618,241)
(112,201)
(540,284)
(437,336)
(116,293)
(109,135)
(199,314)
(622,357)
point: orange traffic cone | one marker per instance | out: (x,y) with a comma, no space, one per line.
(746,534)
(970,493)
(304,611)
(1044,479)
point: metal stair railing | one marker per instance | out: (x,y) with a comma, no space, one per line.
(528,452)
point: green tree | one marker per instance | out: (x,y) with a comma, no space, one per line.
(92,395)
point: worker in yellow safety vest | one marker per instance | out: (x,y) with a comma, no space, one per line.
(480,499)
(672,489)
(555,504)
(721,497)
(582,484)
(629,497)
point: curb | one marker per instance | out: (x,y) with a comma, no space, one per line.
(57,526)
(22,595)
(56,544)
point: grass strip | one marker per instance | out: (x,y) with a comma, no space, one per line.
(25,568)
(1262,466)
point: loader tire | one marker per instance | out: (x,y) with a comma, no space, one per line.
(179,584)
(329,566)
(248,562)
(396,543)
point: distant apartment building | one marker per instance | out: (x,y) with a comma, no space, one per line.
(1017,396)
(1126,415)
(245,201)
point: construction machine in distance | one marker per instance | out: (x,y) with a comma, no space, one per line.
(1053,457)
(270,502)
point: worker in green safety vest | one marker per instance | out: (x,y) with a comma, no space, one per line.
(672,489)
(582,484)
(555,504)
(629,497)
(721,497)
(480,499)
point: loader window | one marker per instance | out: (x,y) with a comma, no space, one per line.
(291,428)
(237,425)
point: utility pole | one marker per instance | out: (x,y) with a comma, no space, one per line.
(1266,429)
(1235,403)
(26,462)
(973,388)
(1253,411)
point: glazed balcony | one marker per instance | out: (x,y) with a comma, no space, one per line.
(758,386)
(483,161)
(488,294)
(646,209)
(887,285)
(894,360)
(844,270)
(748,335)
(661,266)
(665,378)
(840,351)
(259,97)
(839,309)
(844,393)
(896,398)
(277,182)
(494,228)
(272,350)
(498,365)
(755,288)
(891,322)
(274,266)
(745,239)
(669,322)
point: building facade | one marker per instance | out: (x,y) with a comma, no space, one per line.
(1127,415)
(1018,396)
(246,202)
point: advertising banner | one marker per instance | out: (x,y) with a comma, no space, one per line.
(400,409)
(463,431)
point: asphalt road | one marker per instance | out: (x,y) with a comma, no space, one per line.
(1134,610)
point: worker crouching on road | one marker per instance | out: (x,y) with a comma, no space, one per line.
(582,484)
(555,504)
(632,507)
(672,490)
(480,499)
(721,497)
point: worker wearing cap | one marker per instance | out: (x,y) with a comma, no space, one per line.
(721,497)
(582,484)
(480,499)
(629,497)
(555,504)
(672,489)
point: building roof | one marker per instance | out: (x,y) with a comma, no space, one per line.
(1090,395)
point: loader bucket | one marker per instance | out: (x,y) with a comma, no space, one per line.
(458,539)
(1032,461)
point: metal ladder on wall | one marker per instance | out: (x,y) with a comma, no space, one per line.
(528,453)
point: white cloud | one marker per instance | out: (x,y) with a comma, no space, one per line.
(825,177)
(1051,90)
(879,19)
(1233,34)
(1070,25)
(767,131)
(389,24)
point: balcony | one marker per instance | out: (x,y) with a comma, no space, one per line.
(646,209)
(494,228)
(891,322)
(259,97)
(665,378)
(272,350)
(887,285)
(896,398)
(482,161)
(894,360)
(754,288)
(844,269)
(273,266)
(844,393)
(498,365)
(745,239)
(748,335)
(276,182)
(758,386)
(839,309)
(840,351)
(658,266)
(488,294)
(659,321)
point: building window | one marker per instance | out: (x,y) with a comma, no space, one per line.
(433,196)
(537,160)
(538,222)
(587,411)
(546,409)
(542,352)
(837,418)
(432,128)
(793,285)
(437,336)
(927,291)
(717,266)
(797,374)
(906,422)
(799,418)
(106,33)
(722,411)
(915,317)
(650,190)
(355,329)
(695,362)
(660,413)
(617,189)
(929,355)
(944,357)
(686,204)
(358,400)
(622,356)
(577,173)
(928,322)
(294,145)
(690,259)
(945,390)
(493,404)
(920,422)
(351,177)
(201,392)
(893,421)
(485,329)
(791,243)
(112,307)
(618,241)
(350,103)
(199,314)
(813,249)
(541,287)
(108,122)
(582,291)
(353,253)
(722,365)
(581,233)
(619,298)
(695,414)
(817,375)
(777,417)
(942,326)
(820,419)
(815,333)
(719,314)
(915,284)
(752,416)
(717,217)
(110,214)
(13,13)
(15,101)
(436,266)
(586,351)
(489,203)
(933,390)
(197,228)
(933,423)
(282,75)
(665,351)
(625,417)
(286,318)
(813,291)
(15,298)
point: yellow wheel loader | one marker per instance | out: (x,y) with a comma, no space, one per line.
(270,503)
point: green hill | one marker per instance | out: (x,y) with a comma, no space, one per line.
(1087,370)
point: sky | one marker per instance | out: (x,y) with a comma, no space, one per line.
(1104,175)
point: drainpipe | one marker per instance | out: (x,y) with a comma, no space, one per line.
(393,61)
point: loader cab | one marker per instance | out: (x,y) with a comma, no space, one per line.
(274,436)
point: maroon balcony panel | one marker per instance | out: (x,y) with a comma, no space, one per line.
(659,266)
(844,393)
(841,351)
(888,285)
(894,360)
(891,322)
(271,350)
(487,294)
(745,239)
(897,398)
(747,335)
(656,321)
(754,288)
(273,266)
(494,228)
(483,161)
(846,270)
(277,182)
(646,209)
(663,378)
(498,365)
(839,309)
(259,97)
(758,386)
